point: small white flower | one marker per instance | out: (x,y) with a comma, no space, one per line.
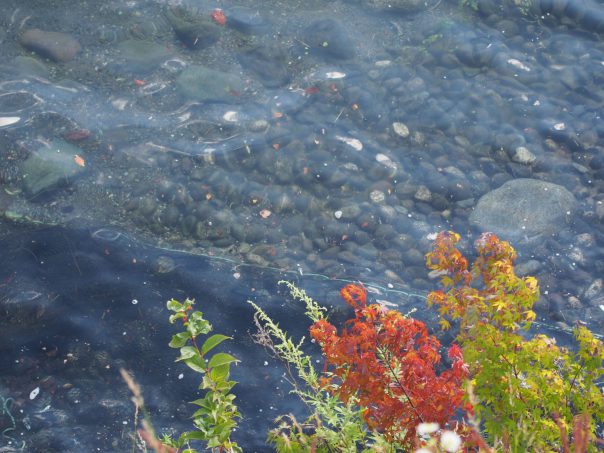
(423,450)
(424,429)
(450,441)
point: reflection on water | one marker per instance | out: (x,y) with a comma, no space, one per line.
(299,139)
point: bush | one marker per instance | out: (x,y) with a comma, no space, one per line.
(383,387)
(527,390)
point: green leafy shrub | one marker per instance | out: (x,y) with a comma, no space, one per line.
(215,418)
(527,390)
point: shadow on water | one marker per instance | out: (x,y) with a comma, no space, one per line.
(78,305)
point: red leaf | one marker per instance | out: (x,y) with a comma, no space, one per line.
(218,16)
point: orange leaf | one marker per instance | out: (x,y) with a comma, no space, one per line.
(218,16)
(79,160)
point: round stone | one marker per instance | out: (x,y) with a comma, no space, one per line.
(377,196)
(400,129)
(523,156)
(524,207)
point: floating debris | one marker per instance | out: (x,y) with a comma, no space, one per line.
(353,142)
(335,75)
(8,120)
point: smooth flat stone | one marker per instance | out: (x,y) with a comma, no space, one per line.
(55,45)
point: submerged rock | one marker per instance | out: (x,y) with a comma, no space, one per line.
(194,31)
(57,46)
(50,167)
(524,207)
(29,66)
(204,84)
(247,20)
(329,39)
(141,56)
(269,63)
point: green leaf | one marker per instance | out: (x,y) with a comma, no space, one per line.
(225,386)
(220,373)
(174,305)
(178,315)
(203,402)
(186,352)
(180,339)
(221,359)
(199,413)
(198,325)
(193,435)
(196,363)
(212,342)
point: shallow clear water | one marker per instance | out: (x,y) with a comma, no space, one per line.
(149,152)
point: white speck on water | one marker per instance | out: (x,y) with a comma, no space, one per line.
(337,214)
(35,392)
(134,301)
(180,376)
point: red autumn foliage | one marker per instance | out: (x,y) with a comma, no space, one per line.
(218,16)
(389,363)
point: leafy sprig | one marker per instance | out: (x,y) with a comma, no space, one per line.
(215,419)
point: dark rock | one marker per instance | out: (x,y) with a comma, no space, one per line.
(57,46)
(194,31)
(269,63)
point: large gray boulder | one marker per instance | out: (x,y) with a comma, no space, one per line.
(524,207)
